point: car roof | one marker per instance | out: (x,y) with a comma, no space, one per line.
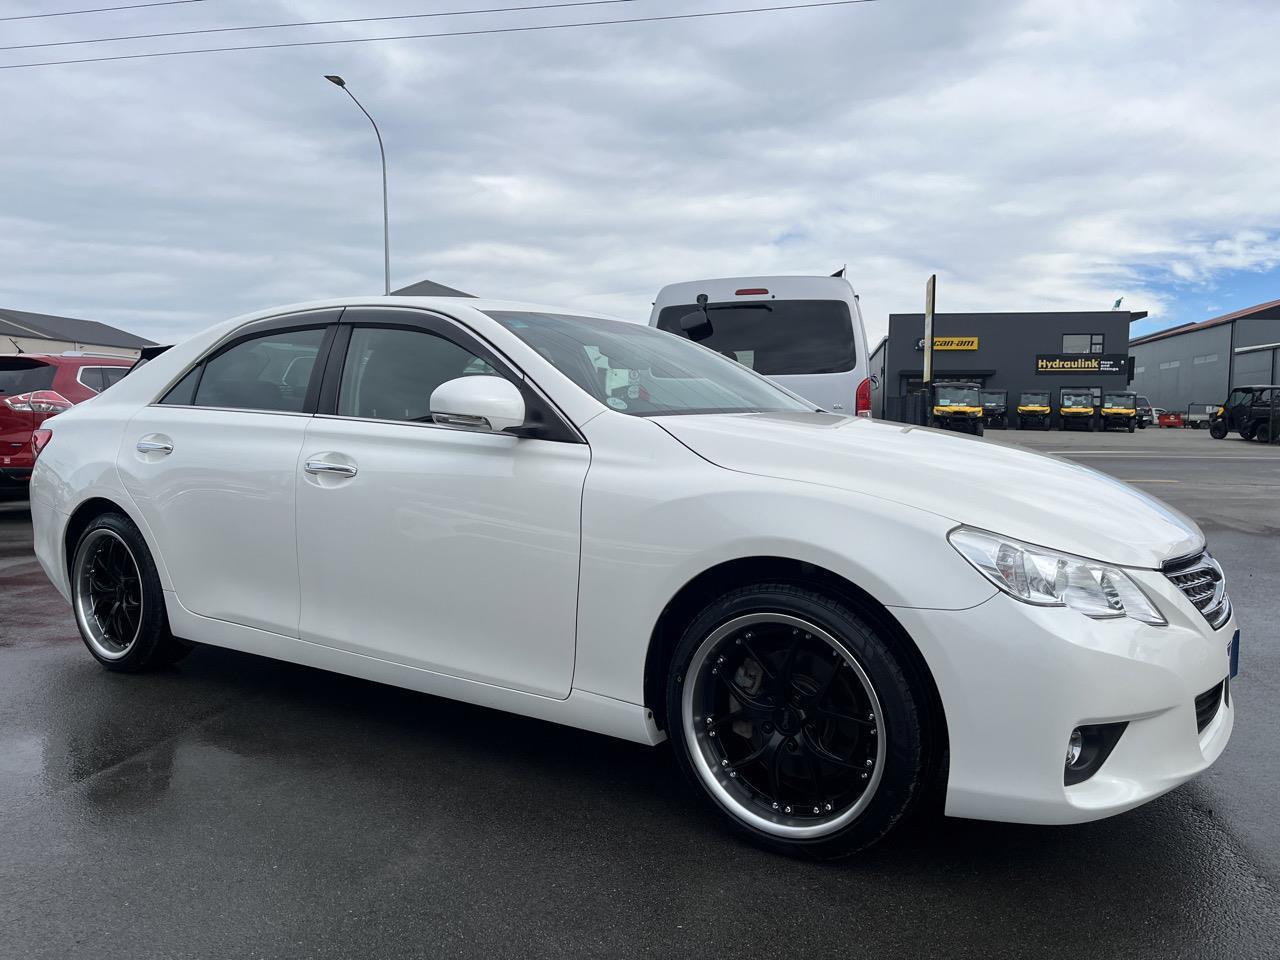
(445,305)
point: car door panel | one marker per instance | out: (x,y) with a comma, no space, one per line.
(448,550)
(443,549)
(220,504)
(215,478)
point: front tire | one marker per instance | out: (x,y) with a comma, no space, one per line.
(797,720)
(118,601)
(1218,430)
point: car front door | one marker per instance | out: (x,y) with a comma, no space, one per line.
(212,464)
(444,549)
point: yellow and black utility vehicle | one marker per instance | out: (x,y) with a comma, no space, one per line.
(1120,409)
(1034,411)
(956,406)
(995,409)
(1076,410)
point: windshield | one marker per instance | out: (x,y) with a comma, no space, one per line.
(1123,400)
(644,372)
(957,397)
(1077,398)
(993,398)
(776,337)
(1035,399)
(23,376)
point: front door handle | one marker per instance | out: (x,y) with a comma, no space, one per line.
(334,469)
(162,447)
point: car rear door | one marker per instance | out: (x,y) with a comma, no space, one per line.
(444,549)
(212,464)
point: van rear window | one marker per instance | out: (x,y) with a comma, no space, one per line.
(776,337)
(22,376)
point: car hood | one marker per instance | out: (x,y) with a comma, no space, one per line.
(1035,498)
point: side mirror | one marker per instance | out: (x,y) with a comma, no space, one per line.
(487,404)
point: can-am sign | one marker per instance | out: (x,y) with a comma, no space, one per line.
(1111,363)
(950,343)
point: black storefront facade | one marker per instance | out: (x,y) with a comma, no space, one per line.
(1003,351)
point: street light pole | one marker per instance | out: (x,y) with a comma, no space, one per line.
(386,219)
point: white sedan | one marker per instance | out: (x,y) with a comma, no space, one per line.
(608,526)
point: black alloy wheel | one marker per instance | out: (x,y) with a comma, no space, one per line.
(118,600)
(797,721)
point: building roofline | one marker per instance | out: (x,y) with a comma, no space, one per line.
(1204,324)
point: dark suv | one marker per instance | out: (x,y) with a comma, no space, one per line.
(1247,411)
(34,387)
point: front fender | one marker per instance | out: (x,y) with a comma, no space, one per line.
(641,544)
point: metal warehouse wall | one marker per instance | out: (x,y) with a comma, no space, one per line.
(1006,356)
(1190,368)
(1256,366)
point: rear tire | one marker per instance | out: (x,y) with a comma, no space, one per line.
(118,601)
(1132,426)
(798,720)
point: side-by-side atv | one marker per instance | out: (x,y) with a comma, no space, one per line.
(1076,410)
(1034,411)
(956,405)
(1247,410)
(995,409)
(1120,409)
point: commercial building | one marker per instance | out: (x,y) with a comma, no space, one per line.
(1003,351)
(25,332)
(1197,364)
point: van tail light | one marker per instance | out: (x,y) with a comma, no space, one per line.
(40,401)
(39,440)
(862,401)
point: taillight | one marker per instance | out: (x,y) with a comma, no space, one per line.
(752,292)
(862,401)
(41,401)
(39,440)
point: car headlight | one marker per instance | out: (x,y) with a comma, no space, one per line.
(1051,579)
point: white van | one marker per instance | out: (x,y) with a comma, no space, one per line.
(804,332)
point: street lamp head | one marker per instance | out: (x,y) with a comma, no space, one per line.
(335,79)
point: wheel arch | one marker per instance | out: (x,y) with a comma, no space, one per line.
(83,515)
(725,576)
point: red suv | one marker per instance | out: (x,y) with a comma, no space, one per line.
(35,386)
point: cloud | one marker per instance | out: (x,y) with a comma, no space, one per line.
(1036,155)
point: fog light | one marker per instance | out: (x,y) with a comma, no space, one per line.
(1088,748)
(1075,744)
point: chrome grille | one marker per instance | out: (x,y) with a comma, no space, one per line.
(1200,580)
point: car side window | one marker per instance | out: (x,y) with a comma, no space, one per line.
(112,375)
(91,377)
(270,372)
(390,373)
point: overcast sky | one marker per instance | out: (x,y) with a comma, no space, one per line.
(1035,154)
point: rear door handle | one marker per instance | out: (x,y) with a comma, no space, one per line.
(334,469)
(163,447)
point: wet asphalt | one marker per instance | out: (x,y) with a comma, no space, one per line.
(237,807)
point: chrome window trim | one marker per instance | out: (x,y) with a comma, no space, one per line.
(192,406)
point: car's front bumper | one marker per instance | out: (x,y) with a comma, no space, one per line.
(1016,679)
